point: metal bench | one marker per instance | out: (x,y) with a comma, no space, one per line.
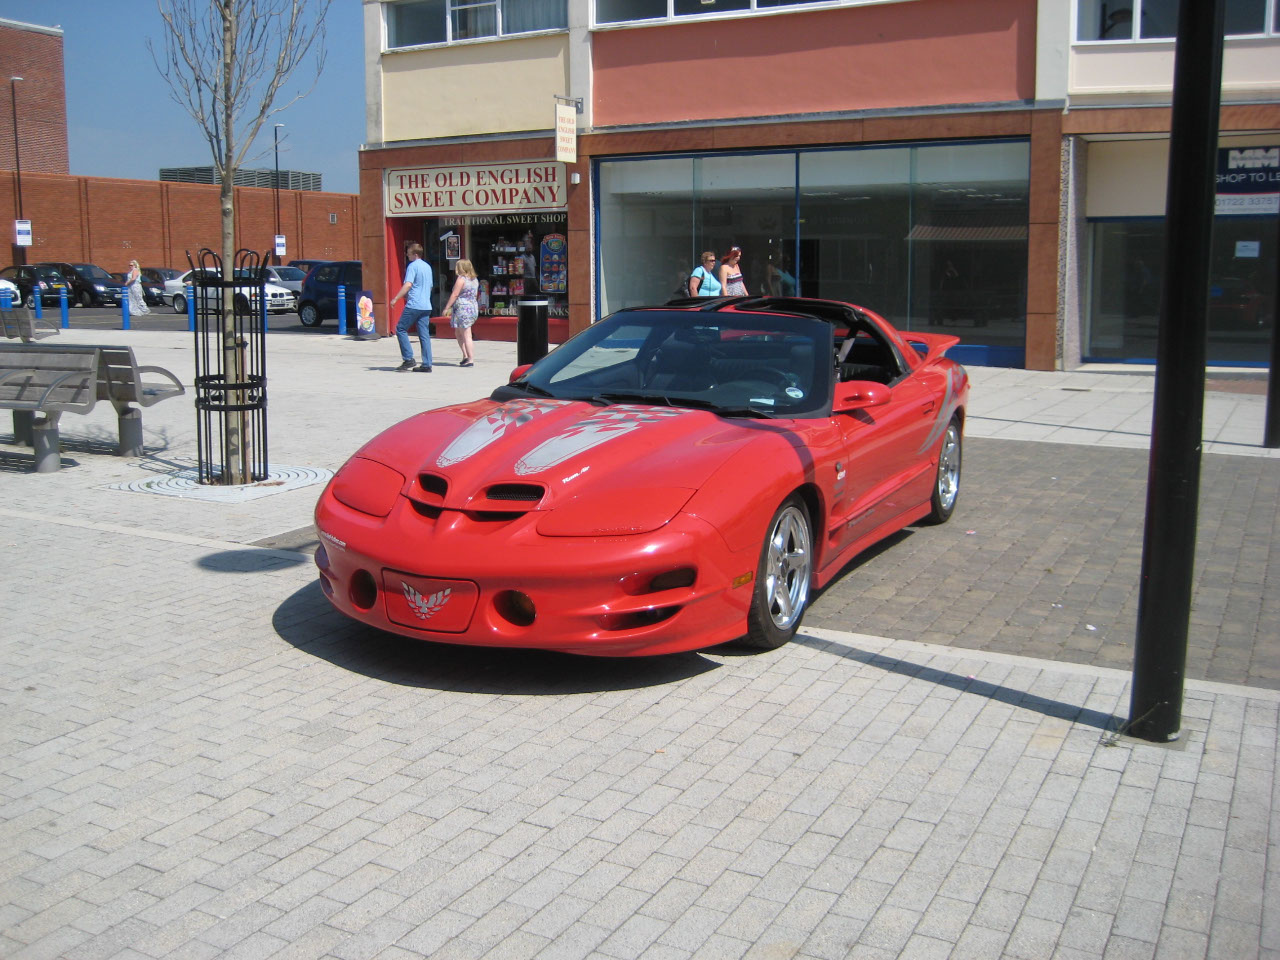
(53,380)
(19,323)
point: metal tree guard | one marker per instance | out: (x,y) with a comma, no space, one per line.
(231,368)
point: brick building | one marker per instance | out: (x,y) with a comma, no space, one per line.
(109,222)
(35,54)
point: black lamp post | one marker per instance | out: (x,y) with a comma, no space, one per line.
(19,252)
(275,181)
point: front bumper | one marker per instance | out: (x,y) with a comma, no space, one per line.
(451,579)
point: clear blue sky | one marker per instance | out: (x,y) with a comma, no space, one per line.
(121,121)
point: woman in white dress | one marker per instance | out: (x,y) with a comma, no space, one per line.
(462,309)
(137,302)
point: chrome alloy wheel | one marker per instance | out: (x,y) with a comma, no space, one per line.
(949,468)
(787,566)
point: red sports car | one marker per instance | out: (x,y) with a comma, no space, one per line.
(671,478)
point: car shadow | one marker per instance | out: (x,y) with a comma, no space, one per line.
(307,621)
(1062,710)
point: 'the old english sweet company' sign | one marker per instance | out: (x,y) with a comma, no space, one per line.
(476,188)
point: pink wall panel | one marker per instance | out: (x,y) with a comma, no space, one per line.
(890,55)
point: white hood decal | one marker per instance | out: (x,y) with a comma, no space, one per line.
(492,426)
(591,432)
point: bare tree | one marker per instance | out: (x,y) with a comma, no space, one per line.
(227,63)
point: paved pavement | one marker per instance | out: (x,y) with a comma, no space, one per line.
(198,758)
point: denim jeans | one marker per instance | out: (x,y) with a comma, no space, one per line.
(408,319)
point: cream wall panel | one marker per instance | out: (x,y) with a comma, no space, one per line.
(1129,178)
(1250,70)
(473,88)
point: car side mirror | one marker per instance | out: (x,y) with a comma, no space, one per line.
(859,394)
(519,372)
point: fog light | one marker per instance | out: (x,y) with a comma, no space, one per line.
(515,607)
(364,590)
(637,619)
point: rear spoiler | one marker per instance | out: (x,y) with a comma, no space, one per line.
(934,344)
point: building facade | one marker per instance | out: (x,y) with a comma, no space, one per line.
(989,168)
(245,177)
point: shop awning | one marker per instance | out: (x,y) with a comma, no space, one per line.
(924,231)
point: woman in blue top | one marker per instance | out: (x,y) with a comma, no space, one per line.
(703,281)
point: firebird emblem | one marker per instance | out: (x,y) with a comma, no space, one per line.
(425,607)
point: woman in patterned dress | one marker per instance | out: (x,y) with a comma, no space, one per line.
(731,273)
(133,290)
(462,309)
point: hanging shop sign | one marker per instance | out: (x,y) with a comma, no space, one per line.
(475,188)
(1248,180)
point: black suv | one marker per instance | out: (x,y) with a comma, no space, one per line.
(90,285)
(318,301)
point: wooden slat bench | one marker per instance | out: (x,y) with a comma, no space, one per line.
(53,380)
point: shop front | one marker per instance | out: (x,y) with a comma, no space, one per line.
(510,220)
(933,236)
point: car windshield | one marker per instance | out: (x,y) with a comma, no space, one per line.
(50,273)
(290,273)
(163,273)
(91,272)
(735,364)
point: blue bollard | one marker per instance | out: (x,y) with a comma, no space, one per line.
(6,300)
(124,312)
(38,297)
(342,310)
(264,312)
(191,307)
(62,304)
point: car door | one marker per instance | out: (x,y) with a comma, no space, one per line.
(885,461)
(325,288)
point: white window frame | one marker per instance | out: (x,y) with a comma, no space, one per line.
(1268,26)
(449,7)
(793,6)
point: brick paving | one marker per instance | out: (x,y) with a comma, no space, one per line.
(199,758)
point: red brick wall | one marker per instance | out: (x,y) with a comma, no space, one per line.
(110,222)
(35,56)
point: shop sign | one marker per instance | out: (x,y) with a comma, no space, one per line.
(475,188)
(566,132)
(1248,180)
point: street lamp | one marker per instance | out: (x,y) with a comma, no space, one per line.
(275,182)
(19,253)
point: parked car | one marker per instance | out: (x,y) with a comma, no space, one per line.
(9,288)
(279,300)
(669,479)
(29,278)
(160,274)
(318,301)
(306,266)
(288,277)
(152,292)
(89,284)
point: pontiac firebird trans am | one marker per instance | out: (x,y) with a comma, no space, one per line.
(671,478)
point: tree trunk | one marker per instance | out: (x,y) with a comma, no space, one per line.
(236,456)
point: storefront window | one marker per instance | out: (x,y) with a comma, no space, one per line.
(1126,280)
(516,257)
(932,236)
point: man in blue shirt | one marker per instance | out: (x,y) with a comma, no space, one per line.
(417,310)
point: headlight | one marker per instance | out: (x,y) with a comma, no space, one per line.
(99,287)
(367,486)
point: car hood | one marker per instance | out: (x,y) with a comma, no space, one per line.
(568,449)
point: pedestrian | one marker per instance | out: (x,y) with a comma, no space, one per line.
(133,290)
(416,294)
(462,309)
(703,282)
(731,273)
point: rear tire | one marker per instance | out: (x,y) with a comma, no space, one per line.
(946,486)
(179,303)
(781,591)
(30,301)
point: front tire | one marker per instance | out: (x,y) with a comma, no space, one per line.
(946,486)
(85,299)
(309,315)
(781,591)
